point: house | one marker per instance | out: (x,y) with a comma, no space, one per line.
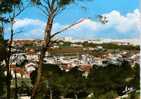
(30,67)
(20,72)
(76,45)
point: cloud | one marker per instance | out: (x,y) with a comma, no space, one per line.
(118,26)
(116,21)
(33,28)
(124,23)
(19,23)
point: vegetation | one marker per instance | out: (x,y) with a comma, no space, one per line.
(2,81)
(48,81)
(65,45)
(9,10)
(110,78)
(104,82)
(112,46)
(50,8)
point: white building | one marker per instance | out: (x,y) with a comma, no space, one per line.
(67,39)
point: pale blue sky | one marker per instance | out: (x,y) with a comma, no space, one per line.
(119,12)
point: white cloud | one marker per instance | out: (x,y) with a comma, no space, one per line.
(26,22)
(124,23)
(87,23)
(117,21)
(120,24)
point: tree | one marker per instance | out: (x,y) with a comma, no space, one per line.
(135,82)
(50,74)
(110,78)
(9,10)
(2,57)
(76,85)
(50,9)
(56,83)
(5,6)
(2,81)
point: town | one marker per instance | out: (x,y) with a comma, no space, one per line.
(84,55)
(69,49)
(67,54)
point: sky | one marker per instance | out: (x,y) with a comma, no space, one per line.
(123,21)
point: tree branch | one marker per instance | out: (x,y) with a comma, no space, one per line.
(43,11)
(21,10)
(48,3)
(66,28)
(18,32)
